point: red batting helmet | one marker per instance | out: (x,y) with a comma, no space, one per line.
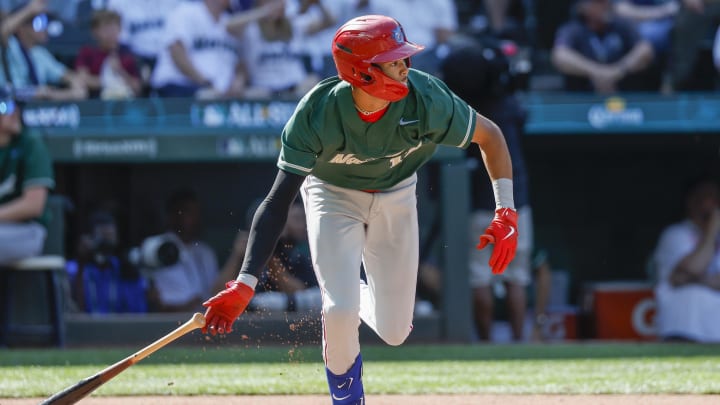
(363,42)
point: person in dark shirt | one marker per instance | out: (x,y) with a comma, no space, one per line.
(596,52)
(101,282)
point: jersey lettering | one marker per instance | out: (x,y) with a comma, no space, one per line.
(348,159)
(213,43)
(146,25)
(396,160)
(351,159)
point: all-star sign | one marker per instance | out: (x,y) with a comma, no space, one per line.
(615,112)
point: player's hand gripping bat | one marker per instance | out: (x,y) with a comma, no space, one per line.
(82,388)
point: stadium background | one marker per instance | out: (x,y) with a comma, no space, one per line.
(616,165)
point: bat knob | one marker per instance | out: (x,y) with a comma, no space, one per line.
(198,319)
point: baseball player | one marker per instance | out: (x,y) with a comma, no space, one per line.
(352,149)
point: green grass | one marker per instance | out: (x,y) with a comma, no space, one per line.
(410,369)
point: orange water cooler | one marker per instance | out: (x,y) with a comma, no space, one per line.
(622,310)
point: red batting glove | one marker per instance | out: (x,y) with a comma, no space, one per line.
(503,233)
(225,307)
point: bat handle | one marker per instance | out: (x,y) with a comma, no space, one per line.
(197,321)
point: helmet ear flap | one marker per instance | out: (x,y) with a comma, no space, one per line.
(366,78)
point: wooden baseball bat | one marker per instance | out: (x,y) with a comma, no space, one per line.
(82,388)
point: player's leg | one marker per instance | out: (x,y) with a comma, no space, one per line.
(20,240)
(483,311)
(336,234)
(517,275)
(391,258)
(516,302)
(481,276)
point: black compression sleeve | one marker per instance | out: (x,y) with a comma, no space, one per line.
(268,222)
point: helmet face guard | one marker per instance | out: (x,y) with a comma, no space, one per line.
(363,42)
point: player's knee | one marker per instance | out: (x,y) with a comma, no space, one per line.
(394,335)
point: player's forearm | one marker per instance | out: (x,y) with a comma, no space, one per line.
(92,81)
(697,262)
(13,21)
(237,23)
(638,58)
(181,60)
(631,11)
(29,206)
(571,62)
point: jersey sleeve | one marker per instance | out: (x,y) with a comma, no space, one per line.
(38,165)
(300,143)
(450,120)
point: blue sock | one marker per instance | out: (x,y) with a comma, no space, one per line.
(347,389)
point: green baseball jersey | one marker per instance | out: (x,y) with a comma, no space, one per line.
(325,136)
(25,163)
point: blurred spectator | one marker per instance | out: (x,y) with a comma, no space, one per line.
(110,70)
(199,55)
(34,71)
(429,286)
(143,29)
(687,265)
(321,19)
(542,280)
(695,25)
(318,20)
(289,283)
(274,53)
(101,281)
(505,18)
(143,24)
(234,260)
(480,74)
(26,178)
(427,22)
(431,23)
(184,285)
(654,20)
(597,52)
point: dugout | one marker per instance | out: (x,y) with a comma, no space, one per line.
(605,175)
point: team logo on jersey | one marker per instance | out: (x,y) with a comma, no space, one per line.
(398,36)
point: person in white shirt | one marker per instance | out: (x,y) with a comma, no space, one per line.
(199,52)
(181,287)
(143,25)
(687,265)
(428,22)
(275,50)
(319,20)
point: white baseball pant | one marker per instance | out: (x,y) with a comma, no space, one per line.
(380,229)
